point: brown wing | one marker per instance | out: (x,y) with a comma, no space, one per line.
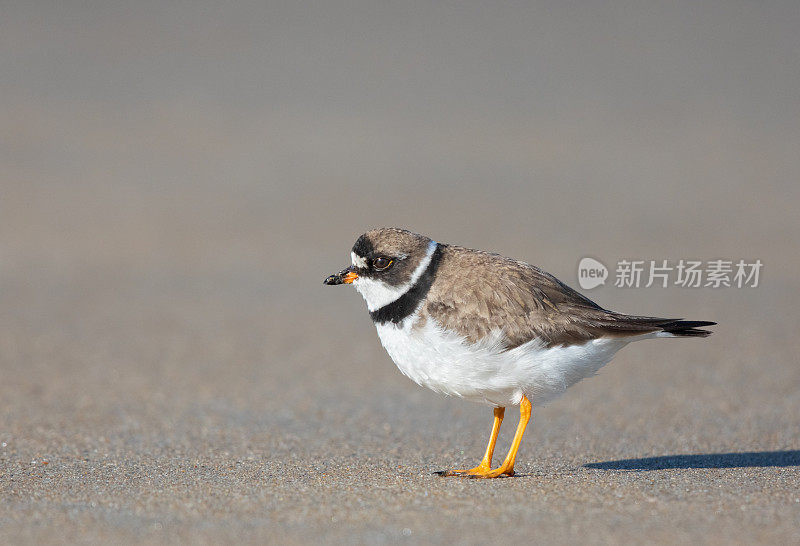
(476,293)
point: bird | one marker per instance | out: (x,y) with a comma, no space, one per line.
(486,328)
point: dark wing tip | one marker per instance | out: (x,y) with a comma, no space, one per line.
(688,328)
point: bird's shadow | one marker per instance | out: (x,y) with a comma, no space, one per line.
(747,459)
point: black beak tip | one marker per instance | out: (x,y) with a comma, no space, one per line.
(333,279)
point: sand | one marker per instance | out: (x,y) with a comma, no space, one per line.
(177,183)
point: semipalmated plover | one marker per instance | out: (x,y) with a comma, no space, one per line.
(487,328)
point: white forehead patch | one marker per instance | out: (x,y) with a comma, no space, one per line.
(358,261)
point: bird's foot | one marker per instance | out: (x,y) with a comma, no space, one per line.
(479,472)
(480,469)
(501,472)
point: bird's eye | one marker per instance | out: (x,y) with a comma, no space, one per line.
(381,262)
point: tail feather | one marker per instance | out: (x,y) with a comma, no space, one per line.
(631,325)
(687,328)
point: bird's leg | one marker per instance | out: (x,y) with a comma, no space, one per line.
(486,463)
(507,467)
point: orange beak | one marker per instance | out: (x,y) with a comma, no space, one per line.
(345,276)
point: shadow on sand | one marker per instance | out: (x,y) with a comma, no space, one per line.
(706,460)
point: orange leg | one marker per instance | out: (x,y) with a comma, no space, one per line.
(507,467)
(486,464)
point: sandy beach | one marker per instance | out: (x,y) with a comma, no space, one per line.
(177,182)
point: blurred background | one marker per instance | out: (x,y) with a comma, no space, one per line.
(178,178)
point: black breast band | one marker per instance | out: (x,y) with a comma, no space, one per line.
(406,304)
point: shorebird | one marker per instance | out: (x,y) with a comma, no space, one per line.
(486,328)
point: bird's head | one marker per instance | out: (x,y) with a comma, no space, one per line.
(385,264)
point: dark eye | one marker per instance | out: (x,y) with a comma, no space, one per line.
(381,262)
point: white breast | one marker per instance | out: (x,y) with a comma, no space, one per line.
(484,372)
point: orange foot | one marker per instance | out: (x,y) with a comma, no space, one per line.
(479,472)
(496,473)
